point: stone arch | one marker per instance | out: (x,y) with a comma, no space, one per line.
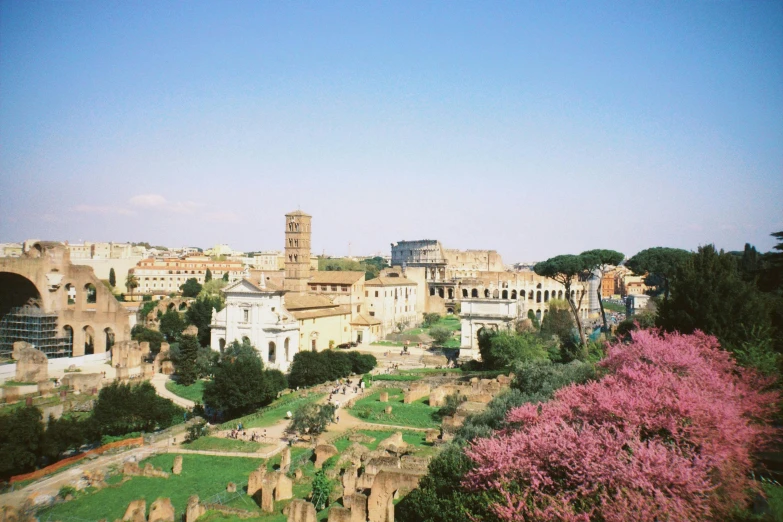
(546,296)
(486,293)
(449,310)
(432,290)
(89,340)
(513,294)
(272,355)
(538,296)
(530,296)
(108,338)
(538,314)
(286,347)
(464,292)
(496,294)
(441,293)
(474,292)
(559,294)
(70,294)
(171,307)
(68,332)
(183,306)
(539,286)
(90,294)
(504,295)
(15,291)
(451,293)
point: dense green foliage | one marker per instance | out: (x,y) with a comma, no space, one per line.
(240,383)
(142,334)
(440,334)
(185,362)
(171,325)
(658,264)
(559,323)
(123,408)
(430,320)
(311,368)
(501,349)
(112,277)
(208,276)
(200,315)
(322,488)
(312,418)
(191,288)
(20,441)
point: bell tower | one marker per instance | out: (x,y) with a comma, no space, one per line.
(297,251)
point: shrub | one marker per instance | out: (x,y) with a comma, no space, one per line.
(312,418)
(667,434)
(431,319)
(66,490)
(440,334)
(322,488)
(311,368)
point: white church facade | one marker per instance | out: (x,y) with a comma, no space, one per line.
(256,312)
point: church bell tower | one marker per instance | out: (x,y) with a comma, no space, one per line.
(297,251)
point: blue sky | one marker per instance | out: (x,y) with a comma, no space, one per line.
(533,128)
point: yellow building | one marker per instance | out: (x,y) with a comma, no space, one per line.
(322,324)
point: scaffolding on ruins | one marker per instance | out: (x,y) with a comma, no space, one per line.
(33,325)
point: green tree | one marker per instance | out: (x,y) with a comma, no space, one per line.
(125,408)
(440,334)
(225,277)
(600,261)
(312,419)
(431,320)
(185,363)
(142,334)
(200,315)
(322,488)
(208,276)
(533,319)
(191,288)
(171,325)
(20,441)
(112,277)
(240,384)
(63,434)
(500,350)
(709,294)
(659,264)
(567,270)
(558,322)
(131,283)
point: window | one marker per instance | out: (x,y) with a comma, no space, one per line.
(344,288)
(376,293)
(358,308)
(246,315)
(323,288)
(372,314)
(367,294)
(334,288)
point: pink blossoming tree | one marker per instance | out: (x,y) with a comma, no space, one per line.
(666,434)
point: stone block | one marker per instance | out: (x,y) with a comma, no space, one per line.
(349,480)
(285,460)
(285,487)
(231,487)
(301,511)
(177,467)
(358,508)
(322,453)
(161,511)
(432,435)
(45,387)
(194,510)
(379,504)
(388,410)
(136,512)
(12,394)
(256,480)
(384,397)
(190,330)
(298,473)
(82,382)
(31,364)
(339,514)
(394,443)
(416,391)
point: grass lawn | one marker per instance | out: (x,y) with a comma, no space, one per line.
(397,377)
(275,412)
(614,307)
(203,475)
(386,343)
(418,414)
(194,392)
(223,444)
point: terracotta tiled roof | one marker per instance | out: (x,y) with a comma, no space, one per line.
(321,312)
(336,277)
(304,302)
(364,320)
(390,281)
(268,287)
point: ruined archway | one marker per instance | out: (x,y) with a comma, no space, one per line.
(109,338)
(16,291)
(486,293)
(474,292)
(90,294)
(464,292)
(89,340)
(538,296)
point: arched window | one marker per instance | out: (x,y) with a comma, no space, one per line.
(538,296)
(546,296)
(496,294)
(530,296)
(70,294)
(513,294)
(451,293)
(474,292)
(559,294)
(109,338)
(486,293)
(440,292)
(432,290)
(538,314)
(89,340)
(505,294)
(90,293)
(285,347)
(272,352)
(464,292)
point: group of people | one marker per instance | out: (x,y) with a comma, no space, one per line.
(239,433)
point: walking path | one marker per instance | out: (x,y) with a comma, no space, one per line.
(159,381)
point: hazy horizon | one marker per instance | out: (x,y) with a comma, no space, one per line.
(534,129)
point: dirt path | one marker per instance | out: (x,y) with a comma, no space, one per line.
(159,382)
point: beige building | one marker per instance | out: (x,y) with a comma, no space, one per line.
(322,324)
(10,250)
(165,276)
(391,299)
(343,288)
